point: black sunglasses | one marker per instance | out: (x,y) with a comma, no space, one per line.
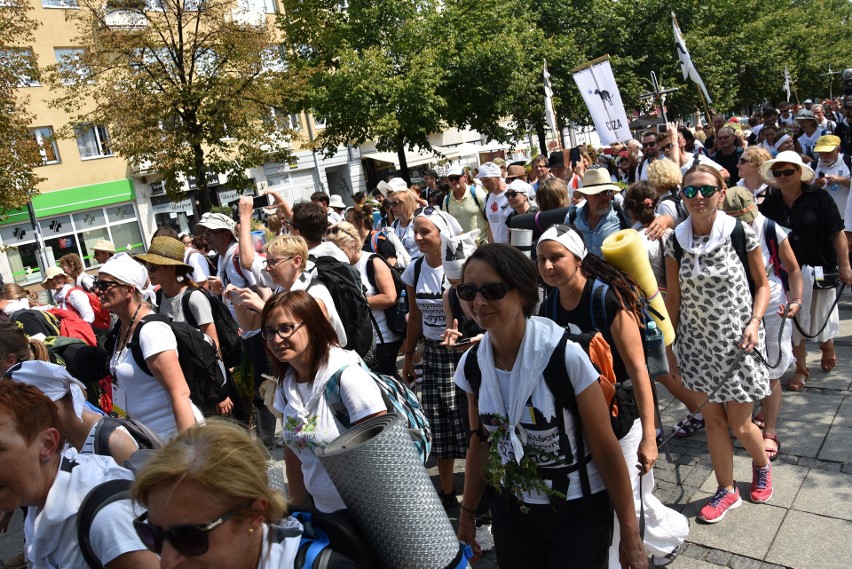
(514,194)
(649,143)
(491,291)
(104,286)
(691,191)
(784,172)
(425,210)
(189,540)
(453,178)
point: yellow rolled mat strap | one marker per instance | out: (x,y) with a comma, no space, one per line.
(626,251)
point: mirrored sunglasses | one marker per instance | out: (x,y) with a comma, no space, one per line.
(690,192)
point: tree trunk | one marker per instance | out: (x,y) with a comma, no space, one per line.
(202,196)
(542,139)
(403,163)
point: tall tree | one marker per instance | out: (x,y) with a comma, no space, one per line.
(188,87)
(19,152)
(374,70)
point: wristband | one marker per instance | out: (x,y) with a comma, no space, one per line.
(757,319)
(468,510)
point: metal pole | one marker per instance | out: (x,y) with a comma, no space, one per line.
(317,177)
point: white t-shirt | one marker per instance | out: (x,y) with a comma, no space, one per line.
(669,207)
(808,142)
(86,281)
(307,427)
(111,534)
(141,395)
(838,192)
(655,253)
(197,260)
(198,305)
(231,273)
(497,210)
(68,299)
(702,159)
(378,315)
(406,236)
(428,292)
(540,419)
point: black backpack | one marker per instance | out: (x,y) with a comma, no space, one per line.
(679,207)
(205,375)
(226,328)
(394,315)
(349,300)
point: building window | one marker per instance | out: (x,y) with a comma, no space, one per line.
(75,233)
(70,68)
(46,141)
(92,141)
(59,3)
(22,62)
(295,122)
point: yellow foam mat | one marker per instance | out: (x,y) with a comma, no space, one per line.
(626,251)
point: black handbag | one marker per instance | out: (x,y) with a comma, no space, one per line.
(829,281)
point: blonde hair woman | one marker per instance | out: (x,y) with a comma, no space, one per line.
(749,170)
(402,204)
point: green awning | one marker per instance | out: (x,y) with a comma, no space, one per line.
(50,204)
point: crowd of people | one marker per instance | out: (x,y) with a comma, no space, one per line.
(745,228)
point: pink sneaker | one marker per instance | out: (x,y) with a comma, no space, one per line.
(761,484)
(718,506)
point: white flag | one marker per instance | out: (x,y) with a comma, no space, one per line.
(600,92)
(686,65)
(549,115)
(787,82)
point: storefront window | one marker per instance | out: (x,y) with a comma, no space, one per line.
(75,233)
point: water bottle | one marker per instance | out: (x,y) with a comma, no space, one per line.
(398,325)
(655,350)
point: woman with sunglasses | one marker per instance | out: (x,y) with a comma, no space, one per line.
(402,204)
(160,399)
(514,412)
(816,234)
(39,472)
(576,276)
(425,283)
(749,170)
(518,194)
(718,330)
(305,356)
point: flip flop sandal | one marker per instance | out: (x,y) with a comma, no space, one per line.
(772,453)
(759,421)
(796,384)
(829,358)
(687,427)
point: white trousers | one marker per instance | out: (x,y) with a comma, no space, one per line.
(665,528)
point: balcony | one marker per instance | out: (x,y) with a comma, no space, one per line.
(126,14)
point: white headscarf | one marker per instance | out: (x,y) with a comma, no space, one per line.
(123,267)
(52,380)
(570,239)
(446,223)
(456,250)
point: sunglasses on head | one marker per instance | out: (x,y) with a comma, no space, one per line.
(425,210)
(189,540)
(706,191)
(490,291)
(784,172)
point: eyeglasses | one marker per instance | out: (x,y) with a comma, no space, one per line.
(271,263)
(784,172)
(490,291)
(453,178)
(284,331)
(690,192)
(103,286)
(514,194)
(425,210)
(394,204)
(604,193)
(189,540)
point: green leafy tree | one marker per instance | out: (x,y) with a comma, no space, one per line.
(188,87)
(19,153)
(373,70)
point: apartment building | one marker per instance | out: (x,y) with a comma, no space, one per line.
(90,193)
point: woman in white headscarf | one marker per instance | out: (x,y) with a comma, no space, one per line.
(425,283)
(160,399)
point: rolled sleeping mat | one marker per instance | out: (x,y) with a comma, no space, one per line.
(384,485)
(625,251)
(522,240)
(538,221)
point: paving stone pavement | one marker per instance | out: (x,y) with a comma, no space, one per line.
(808,522)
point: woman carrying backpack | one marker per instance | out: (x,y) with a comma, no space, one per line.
(379,288)
(160,399)
(590,295)
(165,266)
(306,356)
(67,295)
(718,328)
(552,505)
(218,475)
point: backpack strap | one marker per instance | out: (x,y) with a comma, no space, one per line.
(313,543)
(622,221)
(188,316)
(479,206)
(771,236)
(98,497)
(447,202)
(572,214)
(597,308)
(552,305)
(418,266)
(103,430)
(136,348)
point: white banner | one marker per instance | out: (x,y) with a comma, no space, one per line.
(600,92)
